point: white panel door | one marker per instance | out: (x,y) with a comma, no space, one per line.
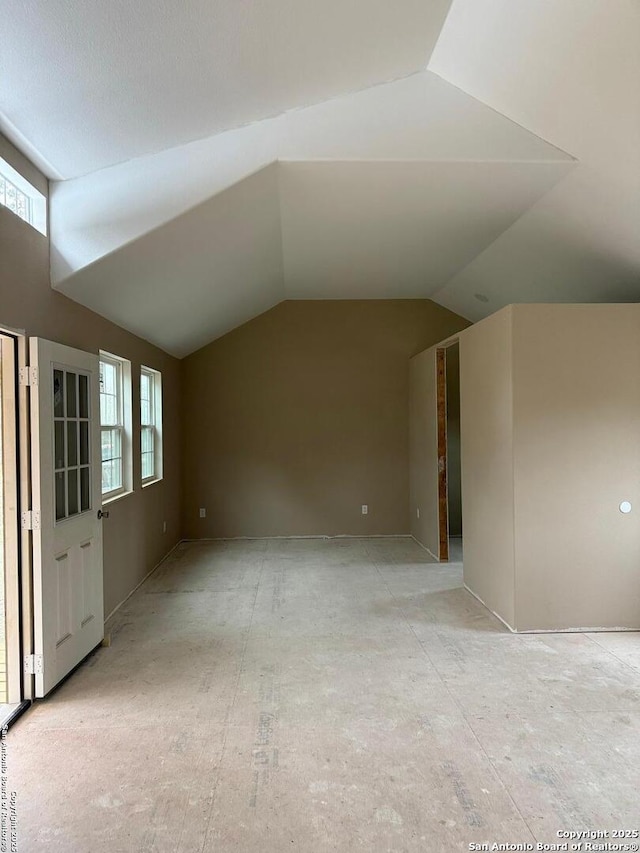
(67,536)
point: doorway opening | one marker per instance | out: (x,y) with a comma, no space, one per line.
(449,453)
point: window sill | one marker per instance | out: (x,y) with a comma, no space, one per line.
(152,482)
(117,497)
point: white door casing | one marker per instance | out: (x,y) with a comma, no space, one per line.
(66,485)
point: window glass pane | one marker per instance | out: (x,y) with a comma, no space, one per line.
(147,465)
(110,404)
(10,196)
(71,395)
(111,444)
(84,396)
(85,503)
(106,477)
(145,386)
(72,490)
(111,475)
(61,509)
(58,394)
(72,443)
(111,449)
(145,412)
(84,442)
(116,473)
(146,438)
(108,409)
(107,378)
(59,444)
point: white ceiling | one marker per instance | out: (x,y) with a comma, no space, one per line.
(570,72)
(90,84)
(227,270)
(397,229)
(509,169)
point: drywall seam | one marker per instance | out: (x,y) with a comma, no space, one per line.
(148,575)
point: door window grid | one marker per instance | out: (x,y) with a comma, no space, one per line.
(111,426)
(72,472)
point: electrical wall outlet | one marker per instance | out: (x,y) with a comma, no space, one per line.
(365,509)
(417,512)
(203,512)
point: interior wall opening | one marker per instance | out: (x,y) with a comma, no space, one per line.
(454,465)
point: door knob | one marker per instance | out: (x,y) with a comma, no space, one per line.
(102,514)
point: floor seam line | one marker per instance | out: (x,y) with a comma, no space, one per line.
(635,669)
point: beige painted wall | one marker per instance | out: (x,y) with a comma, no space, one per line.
(133,537)
(486,426)
(550,448)
(423,450)
(576,381)
(297,418)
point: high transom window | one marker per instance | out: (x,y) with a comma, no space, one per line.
(21,198)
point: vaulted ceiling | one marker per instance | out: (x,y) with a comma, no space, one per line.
(209,159)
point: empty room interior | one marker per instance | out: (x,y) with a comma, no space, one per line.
(319,426)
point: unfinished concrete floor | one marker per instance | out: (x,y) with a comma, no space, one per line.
(326,695)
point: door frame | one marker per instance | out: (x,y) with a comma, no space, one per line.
(441,416)
(19,642)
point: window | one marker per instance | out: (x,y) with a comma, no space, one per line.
(151,425)
(115,424)
(21,198)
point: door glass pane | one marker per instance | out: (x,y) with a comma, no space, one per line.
(59,444)
(58,394)
(83,396)
(84,442)
(61,509)
(72,490)
(71,395)
(85,502)
(72,444)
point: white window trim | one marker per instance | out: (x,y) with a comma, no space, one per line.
(126,423)
(37,202)
(156,390)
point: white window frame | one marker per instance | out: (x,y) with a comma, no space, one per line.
(36,203)
(154,427)
(124,425)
